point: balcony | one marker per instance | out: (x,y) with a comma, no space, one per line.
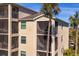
(3,12)
(42,30)
(14,42)
(41,54)
(14,27)
(3,41)
(42,27)
(15,12)
(14,53)
(3,53)
(3,26)
(4,45)
(42,43)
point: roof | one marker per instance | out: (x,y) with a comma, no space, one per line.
(32,18)
(59,20)
(14,4)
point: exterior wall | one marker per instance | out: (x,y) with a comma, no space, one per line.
(31,37)
(60,31)
(30,33)
(66,38)
(24,13)
(63,38)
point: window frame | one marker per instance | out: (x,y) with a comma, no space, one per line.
(23,24)
(23,38)
(23,53)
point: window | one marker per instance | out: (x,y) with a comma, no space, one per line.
(23,39)
(23,24)
(23,53)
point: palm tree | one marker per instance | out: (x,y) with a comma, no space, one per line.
(49,10)
(74,22)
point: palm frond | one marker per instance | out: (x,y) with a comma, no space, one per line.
(50,9)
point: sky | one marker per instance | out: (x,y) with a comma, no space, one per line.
(67,9)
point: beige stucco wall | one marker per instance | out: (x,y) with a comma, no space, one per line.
(30,33)
(63,39)
(60,31)
(66,38)
(24,13)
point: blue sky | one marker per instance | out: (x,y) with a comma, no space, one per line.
(67,9)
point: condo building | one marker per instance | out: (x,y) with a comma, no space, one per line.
(23,32)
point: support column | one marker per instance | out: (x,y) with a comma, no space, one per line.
(53,38)
(9,28)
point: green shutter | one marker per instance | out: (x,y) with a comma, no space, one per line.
(23,24)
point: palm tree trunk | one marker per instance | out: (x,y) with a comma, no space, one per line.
(76,46)
(48,35)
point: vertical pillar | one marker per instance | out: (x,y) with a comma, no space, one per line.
(9,29)
(53,38)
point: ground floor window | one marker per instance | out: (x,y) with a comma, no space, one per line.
(23,53)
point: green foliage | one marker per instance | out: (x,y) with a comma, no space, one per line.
(50,9)
(69,52)
(74,20)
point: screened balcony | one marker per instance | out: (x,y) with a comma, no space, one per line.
(42,43)
(14,53)
(42,27)
(14,42)
(3,11)
(3,26)
(41,54)
(3,53)
(15,12)
(4,41)
(14,27)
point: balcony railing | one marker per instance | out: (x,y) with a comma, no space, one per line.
(3,30)
(14,46)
